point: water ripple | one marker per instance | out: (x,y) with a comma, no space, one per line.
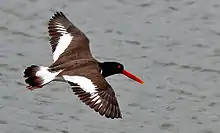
(144,5)
(3,122)
(132,42)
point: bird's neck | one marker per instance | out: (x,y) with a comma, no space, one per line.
(105,69)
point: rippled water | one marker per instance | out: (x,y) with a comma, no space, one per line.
(174,45)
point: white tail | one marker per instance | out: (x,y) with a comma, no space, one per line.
(37,76)
(46,75)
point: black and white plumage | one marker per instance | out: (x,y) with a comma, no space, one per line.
(74,64)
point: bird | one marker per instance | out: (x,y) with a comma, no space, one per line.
(74,64)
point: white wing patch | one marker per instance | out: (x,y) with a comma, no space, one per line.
(87,85)
(84,83)
(63,42)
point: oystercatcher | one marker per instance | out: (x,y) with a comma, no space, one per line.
(73,63)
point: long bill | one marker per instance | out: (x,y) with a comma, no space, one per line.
(128,74)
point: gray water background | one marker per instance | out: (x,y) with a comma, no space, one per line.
(173,45)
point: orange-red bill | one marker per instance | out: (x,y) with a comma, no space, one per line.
(128,74)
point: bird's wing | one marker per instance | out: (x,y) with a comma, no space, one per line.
(67,41)
(92,89)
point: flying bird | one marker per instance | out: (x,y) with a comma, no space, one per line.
(73,63)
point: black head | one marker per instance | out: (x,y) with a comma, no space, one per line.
(111,68)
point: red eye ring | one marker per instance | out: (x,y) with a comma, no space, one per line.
(119,66)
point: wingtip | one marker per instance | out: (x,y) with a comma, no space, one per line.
(116,117)
(57,14)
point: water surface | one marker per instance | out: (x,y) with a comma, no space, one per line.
(172,44)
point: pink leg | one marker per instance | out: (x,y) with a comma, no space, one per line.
(31,88)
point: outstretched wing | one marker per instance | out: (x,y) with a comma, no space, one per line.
(66,40)
(93,90)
